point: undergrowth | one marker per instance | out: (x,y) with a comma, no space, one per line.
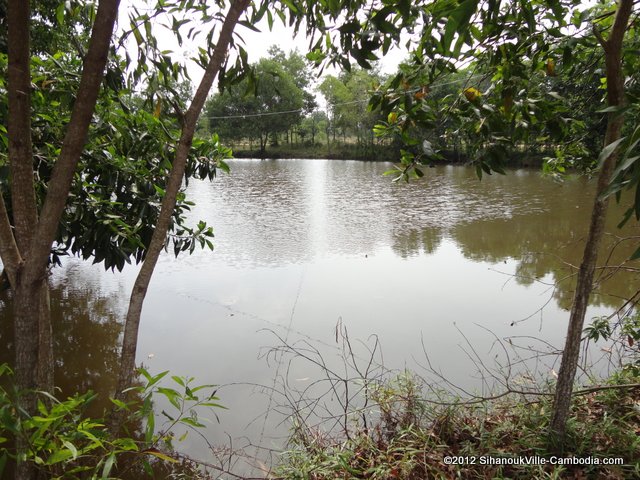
(411,437)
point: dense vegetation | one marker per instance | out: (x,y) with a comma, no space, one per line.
(413,433)
(547,112)
(273,111)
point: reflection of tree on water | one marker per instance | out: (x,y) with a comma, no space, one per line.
(86,331)
(85,315)
(549,244)
(409,243)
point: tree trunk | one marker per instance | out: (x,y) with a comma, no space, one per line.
(45,339)
(263,144)
(25,249)
(584,286)
(130,339)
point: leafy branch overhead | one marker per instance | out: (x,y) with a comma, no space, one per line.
(114,202)
(523,73)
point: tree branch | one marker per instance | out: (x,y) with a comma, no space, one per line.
(9,252)
(141,285)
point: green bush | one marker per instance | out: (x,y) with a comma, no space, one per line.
(61,441)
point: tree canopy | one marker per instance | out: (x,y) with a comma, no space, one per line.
(267,102)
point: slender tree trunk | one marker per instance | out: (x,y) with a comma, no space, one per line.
(130,339)
(32,330)
(23,201)
(570,356)
(263,144)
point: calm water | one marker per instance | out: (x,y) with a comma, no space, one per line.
(440,268)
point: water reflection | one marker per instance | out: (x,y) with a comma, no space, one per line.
(415,242)
(273,213)
(86,312)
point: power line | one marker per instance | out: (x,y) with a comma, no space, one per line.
(332,105)
(250,115)
(264,114)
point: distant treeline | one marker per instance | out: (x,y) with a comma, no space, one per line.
(274,113)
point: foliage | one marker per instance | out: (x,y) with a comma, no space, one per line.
(115,202)
(64,443)
(47,32)
(412,436)
(624,333)
(266,103)
(533,78)
(346,97)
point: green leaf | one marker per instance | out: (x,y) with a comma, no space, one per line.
(127,444)
(614,108)
(150,427)
(59,456)
(72,448)
(213,405)
(171,395)
(191,422)
(270,19)
(625,165)
(108,465)
(60,11)
(458,22)
(156,379)
(351,27)
(249,25)
(201,387)
(147,468)
(119,403)
(608,150)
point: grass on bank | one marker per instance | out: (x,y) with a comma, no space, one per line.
(307,150)
(379,152)
(411,438)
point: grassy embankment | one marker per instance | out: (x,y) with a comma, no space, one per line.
(412,437)
(379,153)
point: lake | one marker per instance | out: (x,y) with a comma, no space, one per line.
(441,272)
